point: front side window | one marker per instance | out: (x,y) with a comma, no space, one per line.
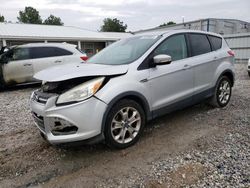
(199,44)
(174,46)
(124,51)
(20,54)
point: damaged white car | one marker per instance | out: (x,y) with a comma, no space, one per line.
(114,94)
(19,63)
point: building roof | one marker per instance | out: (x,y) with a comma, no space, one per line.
(179,24)
(49,32)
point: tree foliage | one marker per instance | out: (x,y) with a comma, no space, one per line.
(168,23)
(2,18)
(113,25)
(29,15)
(53,20)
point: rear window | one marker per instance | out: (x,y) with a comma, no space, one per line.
(43,52)
(215,41)
(199,44)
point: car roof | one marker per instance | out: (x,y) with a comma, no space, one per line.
(63,45)
(170,32)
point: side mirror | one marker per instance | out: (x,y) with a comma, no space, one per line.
(162,59)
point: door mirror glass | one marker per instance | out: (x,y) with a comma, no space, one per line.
(162,59)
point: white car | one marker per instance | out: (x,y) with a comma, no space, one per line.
(20,63)
(248,67)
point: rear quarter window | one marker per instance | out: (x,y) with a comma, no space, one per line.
(215,41)
(199,44)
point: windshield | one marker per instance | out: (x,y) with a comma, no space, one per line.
(124,51)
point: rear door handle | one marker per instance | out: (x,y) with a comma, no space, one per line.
(27,64)
(58,61)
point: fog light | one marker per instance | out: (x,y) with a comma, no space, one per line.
(62,127)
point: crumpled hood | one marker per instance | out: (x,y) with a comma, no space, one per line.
(77,70)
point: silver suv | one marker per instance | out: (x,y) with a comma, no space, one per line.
(114,94)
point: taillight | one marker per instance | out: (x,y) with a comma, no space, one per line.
(231,53)
(84,58)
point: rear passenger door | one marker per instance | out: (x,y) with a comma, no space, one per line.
(45,57)
(203,62)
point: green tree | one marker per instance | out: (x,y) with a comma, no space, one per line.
(169,23)
(113,25)
(29,15)
(53,20)
(2,18)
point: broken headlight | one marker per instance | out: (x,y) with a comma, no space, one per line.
(81,92)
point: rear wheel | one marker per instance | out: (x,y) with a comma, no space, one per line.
(222,93)
(124,125)
(248,73)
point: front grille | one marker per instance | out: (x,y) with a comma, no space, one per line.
(41,97)
(39,121)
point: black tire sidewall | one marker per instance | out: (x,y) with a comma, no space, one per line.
(223,78)
(107,130)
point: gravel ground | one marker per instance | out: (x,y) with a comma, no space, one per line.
(196,147)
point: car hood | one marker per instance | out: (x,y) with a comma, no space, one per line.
(77,70)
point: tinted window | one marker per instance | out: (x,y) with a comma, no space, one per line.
(42,52)
(215,41)
(174,46)
(199,44)
(20,54)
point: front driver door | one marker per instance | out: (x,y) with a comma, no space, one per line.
(174,82)
(19,69)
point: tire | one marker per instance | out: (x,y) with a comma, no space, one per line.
(2,83)
(223,91)
(249,74)
(124,124)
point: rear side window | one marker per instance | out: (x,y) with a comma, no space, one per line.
(215,41)
(175,46)
(199,44)
(43,52)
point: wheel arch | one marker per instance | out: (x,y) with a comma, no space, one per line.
(228,73)
(137,97)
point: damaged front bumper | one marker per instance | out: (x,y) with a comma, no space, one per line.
(68,123)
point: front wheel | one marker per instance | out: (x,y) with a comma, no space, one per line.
(249,74)
(222,93)
(124,125)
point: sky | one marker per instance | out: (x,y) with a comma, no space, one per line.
(137,14)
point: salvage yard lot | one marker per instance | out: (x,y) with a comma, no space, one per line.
(199,146)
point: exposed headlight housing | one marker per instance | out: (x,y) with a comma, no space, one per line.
(81,92)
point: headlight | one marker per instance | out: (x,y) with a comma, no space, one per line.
(81,92)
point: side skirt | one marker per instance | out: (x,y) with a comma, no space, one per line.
(184,103)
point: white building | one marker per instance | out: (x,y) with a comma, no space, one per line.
(221,26)
(89,41)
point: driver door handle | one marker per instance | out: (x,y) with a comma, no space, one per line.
(57,61)
(27,64)
(186,66)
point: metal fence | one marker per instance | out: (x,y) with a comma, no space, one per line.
(240,44)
